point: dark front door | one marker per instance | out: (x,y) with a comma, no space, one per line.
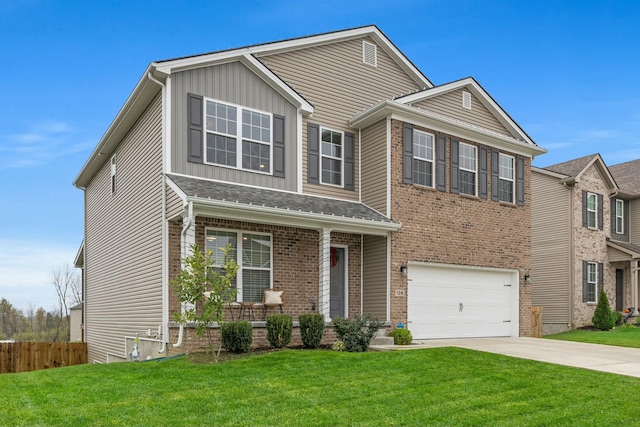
(619,289)
(338,291)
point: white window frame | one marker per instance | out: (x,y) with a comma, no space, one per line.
(239,258)
(592,279)
(418,133)
(512,179)
(238,136)
(593,211)
(112,181)
(475,171)
(620,216)
(322,156)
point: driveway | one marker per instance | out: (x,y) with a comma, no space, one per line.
(605,358)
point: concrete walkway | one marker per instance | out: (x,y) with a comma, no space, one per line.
(605,358)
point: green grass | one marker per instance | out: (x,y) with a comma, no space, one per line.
(443,386)
(620,336)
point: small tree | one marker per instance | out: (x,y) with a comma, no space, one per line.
(602,318)
(205,291)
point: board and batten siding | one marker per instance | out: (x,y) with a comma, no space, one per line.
(374,166)
(234,83)
(334,79)
(634,221)
(374,276)
(123,241)
(551,248)
(450,105)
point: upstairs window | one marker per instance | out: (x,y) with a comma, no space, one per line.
(229,143)
(113,174)
(331,156)
(468,161)
(592,210)
(620,216)
(423,155)
(506,178)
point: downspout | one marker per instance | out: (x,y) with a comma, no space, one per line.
(165,296)
(188,222)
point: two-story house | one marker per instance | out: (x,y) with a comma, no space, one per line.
(338,173)
(584,237)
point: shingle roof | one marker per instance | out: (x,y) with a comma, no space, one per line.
(287,202)
(627,175)
(572,168)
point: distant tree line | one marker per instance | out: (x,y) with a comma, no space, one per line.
(39,324)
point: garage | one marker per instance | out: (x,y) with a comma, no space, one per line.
(447,301)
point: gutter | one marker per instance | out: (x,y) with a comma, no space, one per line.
(185,227)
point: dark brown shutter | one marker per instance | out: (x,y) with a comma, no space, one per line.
(600,278)
(195,139)
(407,154)
(495,175)
(441,164)
(349,161)
(455,162)
(313,153)
(600,211)
(278,146)
(520,180)
(483,173)
(585,222)
(585,281)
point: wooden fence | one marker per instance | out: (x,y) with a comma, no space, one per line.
(536,321)
(32,356)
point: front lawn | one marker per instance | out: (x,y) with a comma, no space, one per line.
(620,336)
(442,386)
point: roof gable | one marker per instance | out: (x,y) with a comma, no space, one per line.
(492,116)
(574,169)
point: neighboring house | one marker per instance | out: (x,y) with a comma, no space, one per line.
(585,236)
(337,171)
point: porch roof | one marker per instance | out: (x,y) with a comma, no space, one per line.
(279,207)
(628,248)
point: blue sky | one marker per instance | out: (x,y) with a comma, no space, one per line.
(564,70)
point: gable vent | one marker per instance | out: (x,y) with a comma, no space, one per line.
(370,54)
(466,100)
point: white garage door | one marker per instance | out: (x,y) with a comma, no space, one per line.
(457,302)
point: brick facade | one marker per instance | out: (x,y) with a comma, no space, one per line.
(447,228)
(590,245)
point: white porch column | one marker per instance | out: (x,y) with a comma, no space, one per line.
(634,286)
(325,273)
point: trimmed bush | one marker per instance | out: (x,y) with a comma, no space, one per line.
(356,333)
(617,318)
(237,336)
(401,336)
(602,318)
(338,346)
(311,329)
(279,327)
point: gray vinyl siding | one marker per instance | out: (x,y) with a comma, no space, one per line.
(550,248)
(614,255)
(235,83)
(174,203)
(450,105)
(374,276)
(123,241)
(634,221)
(374,166)
(339,85)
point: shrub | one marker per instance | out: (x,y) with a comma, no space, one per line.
(602,318)
(279,327)
(237,336)
(401,336)
(617,318)
(311,329)
(628,325)
(338,346)
(356,333)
